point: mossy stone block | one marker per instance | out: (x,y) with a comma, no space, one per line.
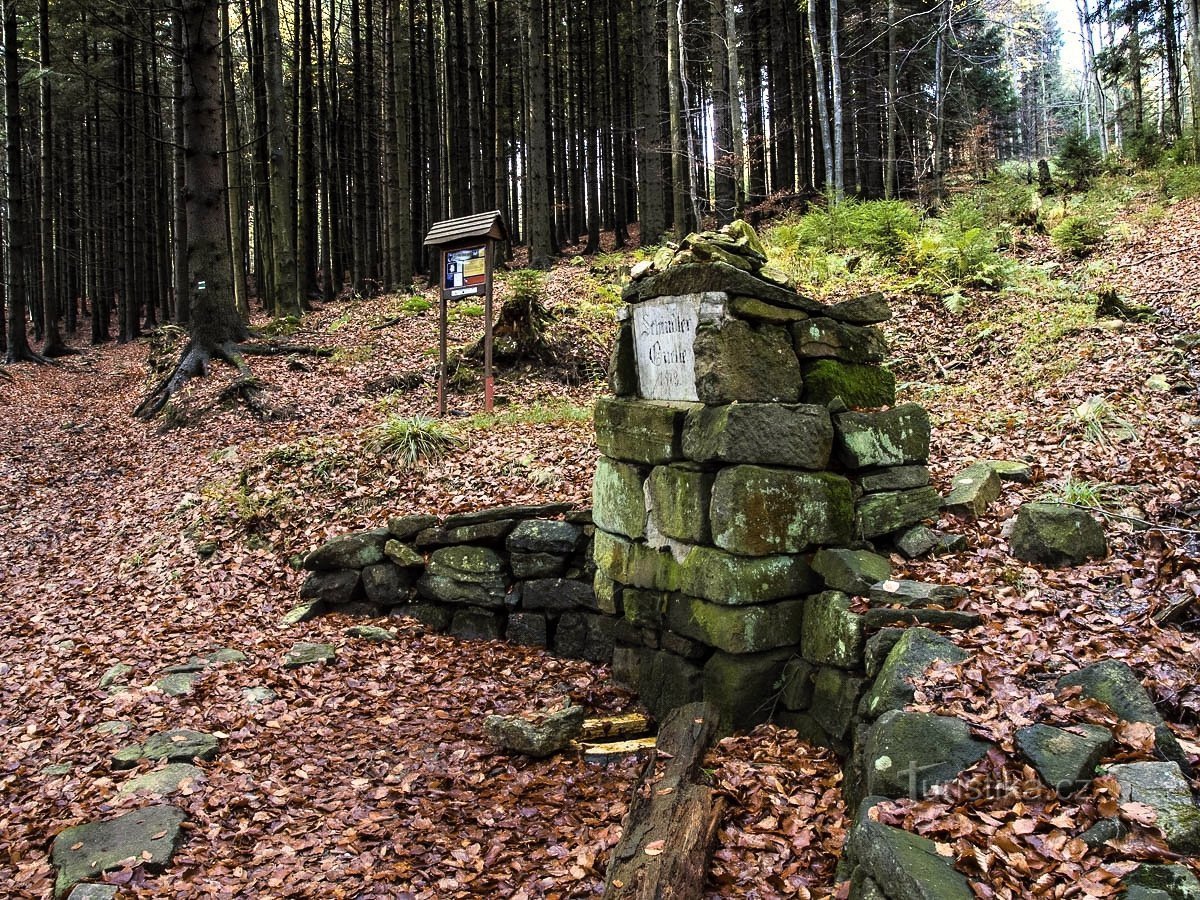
(890,511)
(758,511)
(679,497)
(823,338)
(832,635)
(750,628)
(858,386)
(736,361)
(622,366)
(742,686)
(636,564)
(892,437)
(640,431)
(619,498)
(774,434)
(732,580)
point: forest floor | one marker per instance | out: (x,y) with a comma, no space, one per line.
(147,544)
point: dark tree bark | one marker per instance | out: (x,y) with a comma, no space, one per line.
(542,248)
(52,344)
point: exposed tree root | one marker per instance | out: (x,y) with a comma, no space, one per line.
(195,361)
(273,349)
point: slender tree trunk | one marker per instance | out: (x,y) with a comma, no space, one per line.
(51,302)
(733,68)
(233,172)
(542,248)
(401,215)
(835,78)
(681,184)
(822,102)
(939,100)
(17,213)
(724,155)
(1193,45)
(287,300)
(889,175)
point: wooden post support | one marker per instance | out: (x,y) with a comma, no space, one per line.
(489,383)
(443,315)
(668,833)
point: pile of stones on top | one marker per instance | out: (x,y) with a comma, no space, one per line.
(734,245)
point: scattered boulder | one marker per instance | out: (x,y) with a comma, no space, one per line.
(907,754)
(305,654)
(1116,685)
(150,836)
(302,613)
(1151,881)
(907,863)
(372,633)
(915,542)
(1010,469)
(912,654)
(973,490)
(93,892)
(851,571)
(1065,760)
(114,675)
(164,781)
(552,733)
(1161,786)
(334,588)
(180,745)
(349,551)
(914,594)
(178,684)
(1057,535)
(258,694)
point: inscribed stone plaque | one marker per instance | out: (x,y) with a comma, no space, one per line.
(664,337)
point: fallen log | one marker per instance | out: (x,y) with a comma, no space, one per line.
(668,833)
(624,725)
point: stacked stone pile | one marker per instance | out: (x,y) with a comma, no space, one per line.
(751,428)
(511,572)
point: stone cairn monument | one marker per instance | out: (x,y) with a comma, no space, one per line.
(752,430)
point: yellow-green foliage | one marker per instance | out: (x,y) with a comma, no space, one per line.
(552,413)
(1078,235)
(413,438)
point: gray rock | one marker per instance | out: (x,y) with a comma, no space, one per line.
(164,781)
(835,698)
(258,694)
(1116,685)
(180,745)
(178,684)
(678,499)
(1103,831)
(894,478)
(640,431)
(302,613)
(1161,785)
(225,656)
(713,276)
(386,583)
(890,511)
(912,654)
(118,673)
(403,555)
(731,579)
(831,634)
(474,624)
(492,532)
(126,757)
(528,629)
(797,693)
(758,511)
(737,629)
(742,687)
(907,753)
(754,309)
(645,608)
(553,733)
(774,434)
(497,513)
(622,364)
(662,680)
(877,648)
(869,309)
(915,542)
(349,551)
(951,618)
(474,575)
(822,338)
(894,437)
(851,571)
(1172,882)
(332,588)
(581,635)
(305,654)
(536,565)
(907,863)
(1010,470)
(1056,535)
(150,835)
(544,536)
(372,633)
(1065,760)
(404,528)
(56,769)
(736,361)
(93,892)
(914,594)
(557,595)
(950,543)
(973,490)
(432,615)
(192,664)
(113,726)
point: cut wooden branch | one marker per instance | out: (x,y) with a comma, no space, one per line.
(607,752)
(668,833)
(625,725)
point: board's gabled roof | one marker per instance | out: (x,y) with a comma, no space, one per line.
(479,226)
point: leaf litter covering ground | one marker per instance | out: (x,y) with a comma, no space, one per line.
(366,778)
(369,777)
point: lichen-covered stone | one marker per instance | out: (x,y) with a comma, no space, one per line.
(432,615)
(1010,469)
(756,310)
(868,309)
(780,434)
(742,686)
(725,578)
(736,361)
(386,583)
(907,753)
(553,733)
(404,528)
(349,551)
(544,536)
(679,497)
(832,635)
(911,655)
(619,498)
(951,618)
(858,386)
(851,571)
(403,555)
(884,513)
(737,629)
(835,699)
(164,781)
(1161,785)
(622,366)
(645,609)
(915,542)
(474,624)
(180,745)
(445,535)
(894,478)
(895,437)
(907,863)
(117,673)
(536,565)
(1065,760)
(557,594)
(914,594)
(304,653)
(663,680)
(1151,881)
(700,278)
(823,338)
(528,629)
(636,564)
(1057,535)
(150,835)
(474,575)
(758,511)
(372,633)
(973,490)
(178,684)
(640,431)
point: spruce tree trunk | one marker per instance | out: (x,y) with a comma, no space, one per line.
(537,221)
(681,181)
(401,214)
(822,101)
(724,155)
(18,221)
(52,344)
(286,300)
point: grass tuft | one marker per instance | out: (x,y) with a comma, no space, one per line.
(413,439)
